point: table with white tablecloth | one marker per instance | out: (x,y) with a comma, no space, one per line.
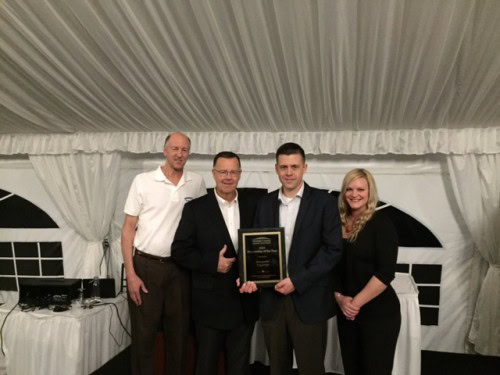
(407,357)
(73,342)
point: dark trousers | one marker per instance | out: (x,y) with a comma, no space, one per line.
(285,332)
(166,306)
(235,342)
(368,345)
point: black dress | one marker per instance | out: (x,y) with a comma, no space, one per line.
(369,341)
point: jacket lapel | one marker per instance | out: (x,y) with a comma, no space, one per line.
(303,209)
(276,210)
(245,212)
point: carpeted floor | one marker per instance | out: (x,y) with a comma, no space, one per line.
(433,363)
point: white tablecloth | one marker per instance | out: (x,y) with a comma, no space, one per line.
(407,357)
(75,342)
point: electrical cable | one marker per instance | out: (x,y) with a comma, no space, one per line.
(117,313)
(1,328)
(105,248)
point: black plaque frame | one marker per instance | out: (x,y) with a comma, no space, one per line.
(262,256)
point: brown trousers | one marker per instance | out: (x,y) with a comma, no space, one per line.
(165,307)
(285,332)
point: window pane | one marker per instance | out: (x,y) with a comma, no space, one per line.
(429,316)
(51,250)
(5,249)
(426,273)
(428,295)
(6,267)
(8,283)
(26,249)
(52,268)
(28,268)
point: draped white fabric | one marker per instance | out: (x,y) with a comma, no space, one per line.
(406,67)
(84,189)
(74,342)
(376,142)
(476,183)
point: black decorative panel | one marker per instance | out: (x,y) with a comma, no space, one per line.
(7,267)
(5,249)
(411,232)
(429,316)
(18,212)
(427,273)
(51,250)
(28,267)
(335,193)
(251,193)
(8,284)
(403,268)
(428,295)
(255,193)
(52,268)
(26,249)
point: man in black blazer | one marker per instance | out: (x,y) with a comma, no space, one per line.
(206,242)
(294,313)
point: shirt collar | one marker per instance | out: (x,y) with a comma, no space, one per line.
(160,177)
(223,201)
(283,198)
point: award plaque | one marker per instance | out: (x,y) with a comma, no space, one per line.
(262,256)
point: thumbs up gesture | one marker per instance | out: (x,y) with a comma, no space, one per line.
(224,264)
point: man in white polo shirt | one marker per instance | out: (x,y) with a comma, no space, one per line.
(158,289)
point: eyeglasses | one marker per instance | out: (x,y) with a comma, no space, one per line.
(225,173)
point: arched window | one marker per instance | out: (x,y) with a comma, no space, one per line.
(33,258)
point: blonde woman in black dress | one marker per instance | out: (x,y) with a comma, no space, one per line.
(370,319)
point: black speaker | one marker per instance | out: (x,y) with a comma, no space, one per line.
(43,292)
(106,288)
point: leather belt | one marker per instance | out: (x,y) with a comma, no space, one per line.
(153,257)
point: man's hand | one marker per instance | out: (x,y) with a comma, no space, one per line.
(224,264)
(248,287)
(135,285)
(285,286)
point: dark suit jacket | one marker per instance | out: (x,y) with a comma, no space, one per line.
(315,249)
(201,234)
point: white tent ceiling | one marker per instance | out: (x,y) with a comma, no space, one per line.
(341,76)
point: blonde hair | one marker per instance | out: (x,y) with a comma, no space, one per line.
(345,209)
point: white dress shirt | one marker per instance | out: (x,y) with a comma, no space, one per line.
(231,213)
(289,208)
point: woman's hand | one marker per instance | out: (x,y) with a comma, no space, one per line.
(349,309)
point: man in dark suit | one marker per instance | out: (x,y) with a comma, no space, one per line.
(294,313)
(206,242)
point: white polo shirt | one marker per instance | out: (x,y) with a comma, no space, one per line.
(158,203)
